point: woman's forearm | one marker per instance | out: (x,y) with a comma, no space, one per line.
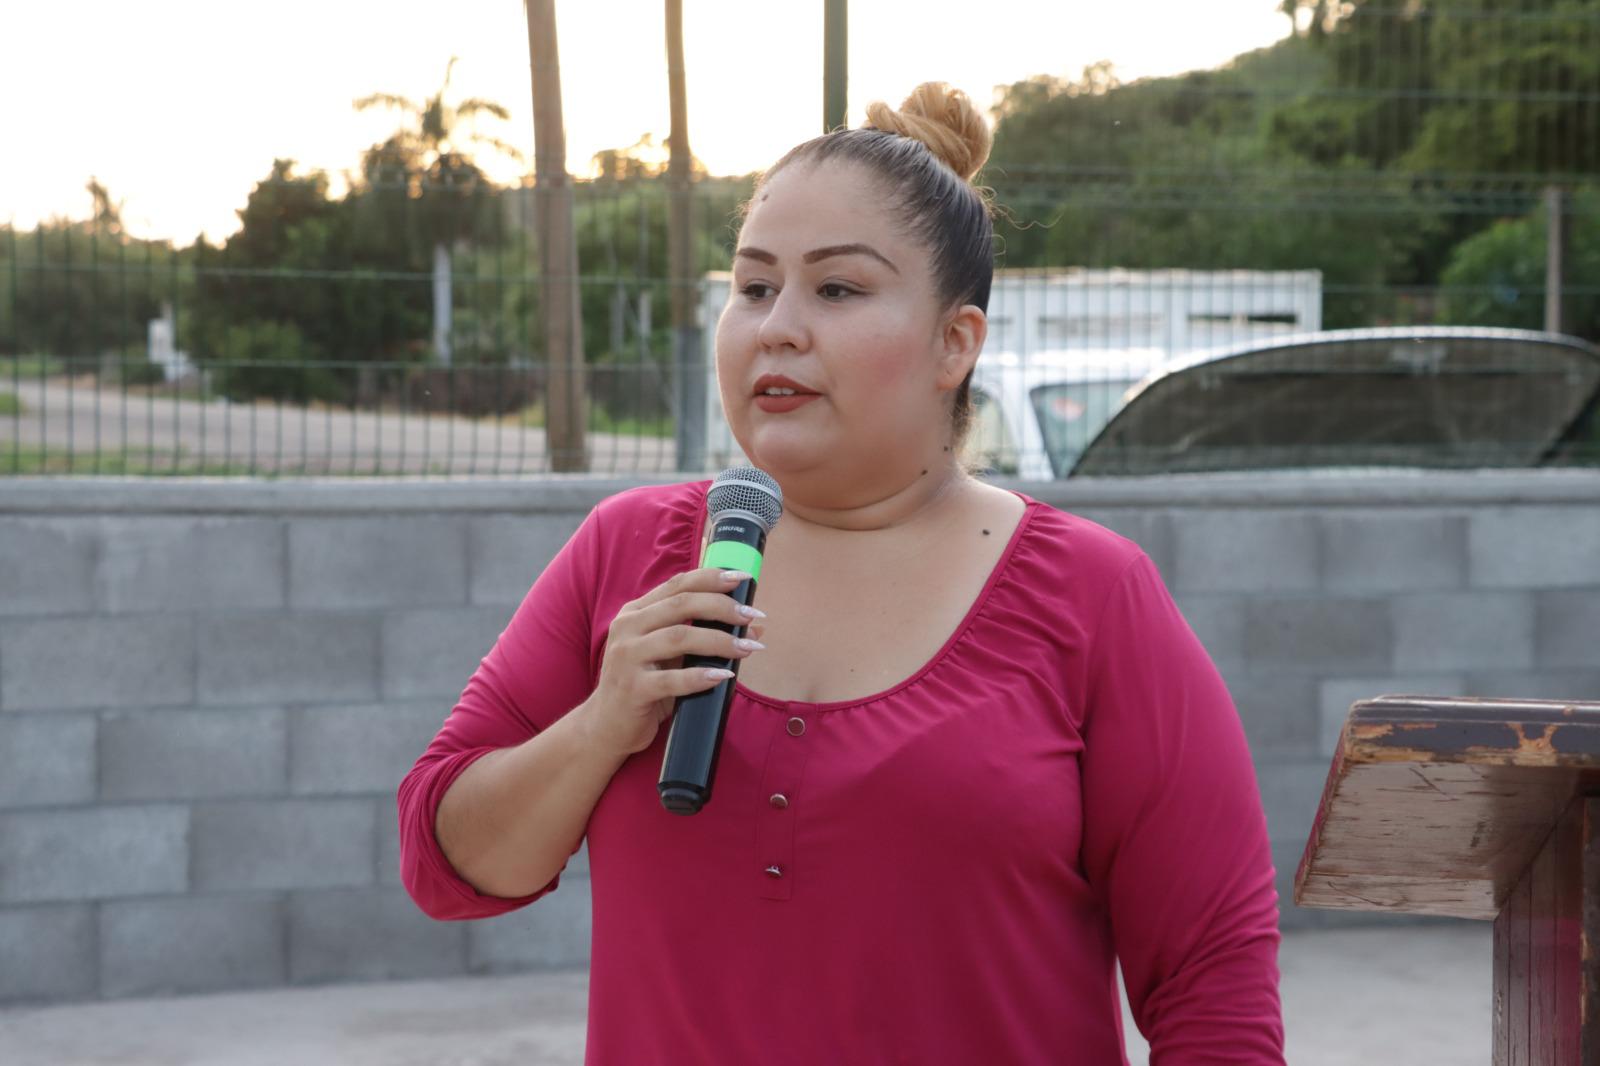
(513,817)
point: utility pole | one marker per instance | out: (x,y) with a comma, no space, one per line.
(835,62)
(688,356)
(565,408)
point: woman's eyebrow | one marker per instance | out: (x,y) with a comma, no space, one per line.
(848,249)
(818,254)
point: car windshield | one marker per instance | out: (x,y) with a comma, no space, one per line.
(1419,398)
(1071,414)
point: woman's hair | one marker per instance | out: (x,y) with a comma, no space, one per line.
(926,154)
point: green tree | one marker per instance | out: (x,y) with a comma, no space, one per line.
(81,290)
(429,157)
(1497,277)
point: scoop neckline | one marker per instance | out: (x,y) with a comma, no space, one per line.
(1029,506)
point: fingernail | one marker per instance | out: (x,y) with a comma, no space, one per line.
(716,673)
(735,576)
(746,644)
(750,612)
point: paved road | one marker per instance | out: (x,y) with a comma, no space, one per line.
(281,439)
(1355,997)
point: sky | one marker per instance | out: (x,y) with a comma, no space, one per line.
(180,106)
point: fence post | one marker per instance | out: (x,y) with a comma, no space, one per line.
(1555,213)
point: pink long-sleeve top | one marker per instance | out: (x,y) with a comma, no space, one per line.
(945,872)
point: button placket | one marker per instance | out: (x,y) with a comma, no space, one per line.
(781,783)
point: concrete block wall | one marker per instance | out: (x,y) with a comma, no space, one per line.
(209,690)
(208,695)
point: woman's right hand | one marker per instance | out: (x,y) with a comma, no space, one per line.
(641,675)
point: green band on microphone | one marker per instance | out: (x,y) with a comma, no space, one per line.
(731,555)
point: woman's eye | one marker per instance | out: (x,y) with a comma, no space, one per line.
(834,291)
(756,290)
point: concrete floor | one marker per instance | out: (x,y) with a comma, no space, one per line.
(1356,997)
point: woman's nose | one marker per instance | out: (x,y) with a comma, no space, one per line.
(784,325)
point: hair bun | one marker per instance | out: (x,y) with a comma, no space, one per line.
(941,118)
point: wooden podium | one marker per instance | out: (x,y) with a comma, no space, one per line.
(1478,808)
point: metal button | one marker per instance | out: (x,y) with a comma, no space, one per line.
(797,726)
(774,871)
(779,800)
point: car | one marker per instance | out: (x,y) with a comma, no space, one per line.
(1033,415)
(1416,396)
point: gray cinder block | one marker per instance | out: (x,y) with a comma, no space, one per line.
(402,561)
(1534,547)
(508,552)
(46,759)
(193,562)
(1380,551)
(1321,633)
(76,663)
(1536,685)
(1290,793)
(1463,631)
(191,944)
(97,853)
(47,565)
(193,754)
(288,658)
(364,748)
(284,844)
(1279,711)
(1338,694)
(48,953)
(432,651)
(1246,550)
(1567,628)
(1218,620)
(370,935)
(389,845)
(551,932)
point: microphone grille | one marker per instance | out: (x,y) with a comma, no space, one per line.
(744,488)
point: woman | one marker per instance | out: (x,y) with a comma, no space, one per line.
(976,758)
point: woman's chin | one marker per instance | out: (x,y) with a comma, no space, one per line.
(782,453)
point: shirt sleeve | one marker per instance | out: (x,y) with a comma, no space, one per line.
(1175,840)
(540,668)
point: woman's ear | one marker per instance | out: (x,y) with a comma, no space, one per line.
(962,339)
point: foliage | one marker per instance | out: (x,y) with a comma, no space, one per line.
(1497,277)
(1372,145)
(1392,145)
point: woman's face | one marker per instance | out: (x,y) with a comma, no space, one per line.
(832,301)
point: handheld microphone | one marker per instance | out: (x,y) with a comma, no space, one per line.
(743,505)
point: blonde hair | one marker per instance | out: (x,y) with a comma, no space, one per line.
(944,120)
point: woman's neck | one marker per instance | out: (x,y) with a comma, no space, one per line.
(926,495)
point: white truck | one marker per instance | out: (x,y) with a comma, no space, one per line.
(1065,347)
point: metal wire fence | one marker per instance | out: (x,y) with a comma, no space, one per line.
(1428,164)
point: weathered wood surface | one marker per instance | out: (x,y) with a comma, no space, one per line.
(1440,805)
(1544,957)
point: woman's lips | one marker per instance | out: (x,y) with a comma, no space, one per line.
(777,405)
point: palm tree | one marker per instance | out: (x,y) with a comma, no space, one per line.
(441,174)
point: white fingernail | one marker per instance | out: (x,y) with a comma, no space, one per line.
(746,644)
(715,673)
(750,612)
